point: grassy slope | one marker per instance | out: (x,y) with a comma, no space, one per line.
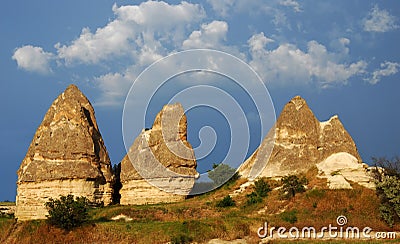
(198,219)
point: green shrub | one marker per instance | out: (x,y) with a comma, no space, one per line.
(387,213)
(262,187)
(226,202)
(389,193)
(387,182)
(221,173)
(261,190)
(293,184)
(253,198)
(181,239)
(290,216)
(67,213)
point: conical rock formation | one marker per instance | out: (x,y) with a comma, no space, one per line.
(67,156)
(300,142)
(160,165)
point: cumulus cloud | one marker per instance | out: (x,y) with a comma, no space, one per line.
(140,34)
(379,21)
(225,7)
(209,36)
(287,64)
(387,69)
(291,3)
(148,26)
(33,59)
(114,87)
(258,42)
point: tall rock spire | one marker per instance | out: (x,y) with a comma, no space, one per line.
(66,156)
(301,142)
(165,161)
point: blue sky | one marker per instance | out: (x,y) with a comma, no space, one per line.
(341,56)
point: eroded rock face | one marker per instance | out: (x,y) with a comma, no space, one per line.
(67,156)
(160,165)
(301,142)
(341,168)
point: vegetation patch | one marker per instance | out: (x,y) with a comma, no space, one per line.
(289,216)
(387,181)
(293,184)
(67,213)
(226,202)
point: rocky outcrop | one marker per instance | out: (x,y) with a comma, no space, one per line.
(342,168)
(160,165)
(298,142)
(8,210)
(67,156)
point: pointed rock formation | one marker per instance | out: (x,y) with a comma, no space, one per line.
(160,165)
(301,142)
(67,156)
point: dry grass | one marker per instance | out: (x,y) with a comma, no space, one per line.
(7,203)
(199,220)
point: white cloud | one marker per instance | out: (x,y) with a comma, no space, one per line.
(150,23)
(379,21)
(209,36)
(140,34)
(387,69)
(271,10)
(287,64)
(33,59)
(226,8)
(160,15)
(222,7)
(114,87)
(258,42)
(291,3)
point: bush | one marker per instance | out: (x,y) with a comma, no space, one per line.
(261,190)
(67,213)
(253,198)
(226,202)
(262,187)
(293,184)
(387,182)
(221,173)
(290,216)
(181,239)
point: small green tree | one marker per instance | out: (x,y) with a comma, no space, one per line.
(293,184)
(116,196)
(262,187)
(261,191)
(67,213)
(253,198)
(226,202)
(387,182)
(221,173)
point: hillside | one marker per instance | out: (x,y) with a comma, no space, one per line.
(199,220)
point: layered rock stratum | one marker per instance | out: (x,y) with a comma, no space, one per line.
(66,156)
(299,141)
(160,166)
